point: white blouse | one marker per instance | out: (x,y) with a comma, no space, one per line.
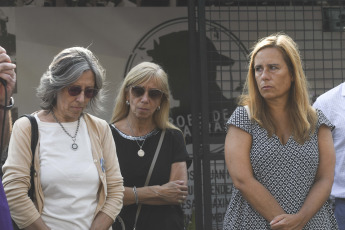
(69,178)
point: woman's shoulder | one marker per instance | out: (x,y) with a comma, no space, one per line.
(240,118)
(22,123)
(323,120)
(240,114)
(174,132)
(95,122)
(92,118)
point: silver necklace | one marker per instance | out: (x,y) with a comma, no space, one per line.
(141,152)
(74,138)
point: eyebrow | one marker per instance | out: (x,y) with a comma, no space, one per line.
(274,64)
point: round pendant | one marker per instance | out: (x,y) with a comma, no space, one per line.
(141,153)
(74,146)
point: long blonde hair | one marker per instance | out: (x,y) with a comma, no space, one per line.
(303,117)
(141,73)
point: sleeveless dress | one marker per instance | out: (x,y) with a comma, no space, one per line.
(287,171)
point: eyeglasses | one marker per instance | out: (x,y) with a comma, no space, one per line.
(75,90)
(139,91)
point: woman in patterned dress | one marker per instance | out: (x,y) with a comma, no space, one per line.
(278,149)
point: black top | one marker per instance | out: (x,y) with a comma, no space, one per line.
(134,170)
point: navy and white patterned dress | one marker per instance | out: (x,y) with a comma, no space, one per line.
(287,171)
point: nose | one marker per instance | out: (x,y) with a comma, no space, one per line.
(265,75)
(81,97)
(145,96)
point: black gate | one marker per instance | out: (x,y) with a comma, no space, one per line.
(221,34)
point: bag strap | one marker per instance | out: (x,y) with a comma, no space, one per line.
(150,173)
(34,140)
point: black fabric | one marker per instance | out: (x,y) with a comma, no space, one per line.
(134,170)
(34,140)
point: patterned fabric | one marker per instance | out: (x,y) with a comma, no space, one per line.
(287,171)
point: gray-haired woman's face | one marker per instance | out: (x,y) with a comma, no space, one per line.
(73,99)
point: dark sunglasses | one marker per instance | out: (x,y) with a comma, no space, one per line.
(75,90)
(139,91)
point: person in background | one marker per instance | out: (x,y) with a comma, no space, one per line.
(140,115)
(332,104)
(78,184)
(8,80)
(278,149)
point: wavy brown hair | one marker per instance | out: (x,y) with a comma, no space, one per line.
(303,117)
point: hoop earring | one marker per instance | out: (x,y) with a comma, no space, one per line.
(158,108)
(127,102)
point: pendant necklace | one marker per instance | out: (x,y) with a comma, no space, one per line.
(141,152)
(74,138)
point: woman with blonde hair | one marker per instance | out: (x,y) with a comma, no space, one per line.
(278,149)
(140,117)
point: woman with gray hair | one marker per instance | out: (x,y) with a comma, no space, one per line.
(140,119)
(77,184)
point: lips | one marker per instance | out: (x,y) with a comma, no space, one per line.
(78,107)
(266,87)
(143,109)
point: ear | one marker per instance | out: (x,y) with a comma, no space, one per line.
(127,95)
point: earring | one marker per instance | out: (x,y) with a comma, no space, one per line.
(127,102)
(158,108)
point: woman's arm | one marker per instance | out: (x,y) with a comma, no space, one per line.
(321,189)
(172,193)
(37,225)
(111,170)
(101,222)
(237,156)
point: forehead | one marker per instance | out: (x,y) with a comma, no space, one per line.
(269,55)
(151,82)
(87,78)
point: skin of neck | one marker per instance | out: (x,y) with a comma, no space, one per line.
(140,127)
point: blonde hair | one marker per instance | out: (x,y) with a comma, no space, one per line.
(139,74)
(303,117)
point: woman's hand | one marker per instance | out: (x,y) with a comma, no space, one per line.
(287,222)
(7,73)
(173,192)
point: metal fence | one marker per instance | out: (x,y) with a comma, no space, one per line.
(226,32)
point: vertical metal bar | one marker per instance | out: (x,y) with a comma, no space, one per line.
(196,93)
(205,116)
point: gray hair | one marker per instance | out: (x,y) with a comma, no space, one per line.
(65,69)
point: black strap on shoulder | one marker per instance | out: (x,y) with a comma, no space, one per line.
(34,140)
